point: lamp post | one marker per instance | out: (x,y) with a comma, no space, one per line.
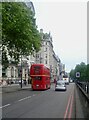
(40,58)
(21,71)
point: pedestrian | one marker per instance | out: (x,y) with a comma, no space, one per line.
(54,80)
(25,82)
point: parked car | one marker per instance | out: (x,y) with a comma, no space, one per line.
(60,85)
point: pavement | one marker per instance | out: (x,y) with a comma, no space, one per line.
(13,88)
(78,106)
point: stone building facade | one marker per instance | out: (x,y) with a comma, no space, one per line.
(47,55)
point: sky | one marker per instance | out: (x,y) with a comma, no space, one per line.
(67,23)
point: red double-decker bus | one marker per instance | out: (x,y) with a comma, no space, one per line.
(40,75)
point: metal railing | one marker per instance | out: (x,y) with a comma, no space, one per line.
(84,87)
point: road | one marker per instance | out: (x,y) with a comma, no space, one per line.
(43,104)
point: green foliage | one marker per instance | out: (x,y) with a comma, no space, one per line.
(88,72)
(84,72)
(19,32)
(72,74)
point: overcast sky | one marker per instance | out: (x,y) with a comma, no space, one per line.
(67,22)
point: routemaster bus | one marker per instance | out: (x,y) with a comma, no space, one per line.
(40,75)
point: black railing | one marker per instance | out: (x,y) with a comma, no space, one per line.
(84,86)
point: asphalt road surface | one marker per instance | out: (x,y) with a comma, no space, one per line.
(44,104)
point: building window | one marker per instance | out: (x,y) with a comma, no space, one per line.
(33,55)
(12,72)
(15,73)
(45,50)
(46,62)
(46,56)
(4,72)
(42,43)
(37,55)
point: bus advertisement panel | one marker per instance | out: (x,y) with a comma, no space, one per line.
(40,75)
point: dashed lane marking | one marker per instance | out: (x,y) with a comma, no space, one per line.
(24,98)
(17,101)
(5,106)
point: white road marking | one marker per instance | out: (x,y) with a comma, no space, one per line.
(5,106)
(18,101)
(24,98)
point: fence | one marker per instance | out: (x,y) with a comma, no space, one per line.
(84,86)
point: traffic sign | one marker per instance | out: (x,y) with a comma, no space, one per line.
(77,74)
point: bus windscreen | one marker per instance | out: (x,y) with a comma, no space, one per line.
(37,69)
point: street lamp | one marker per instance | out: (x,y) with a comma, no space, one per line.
(40,58)
(21,71)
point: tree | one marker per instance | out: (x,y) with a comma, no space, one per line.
(83,69)
(72,74)
(19,31)
(88,72)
